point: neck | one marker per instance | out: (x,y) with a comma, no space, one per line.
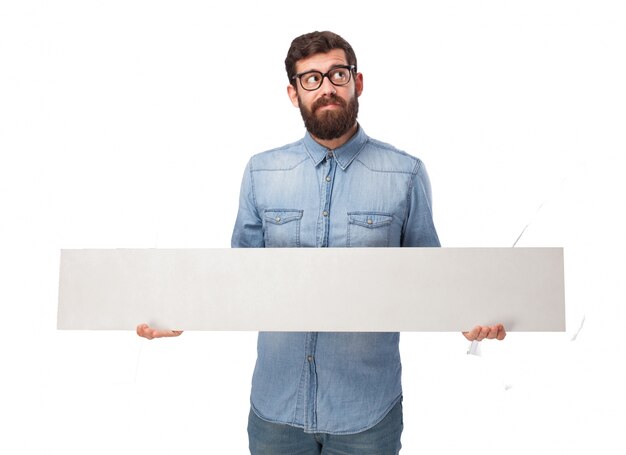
(333,144)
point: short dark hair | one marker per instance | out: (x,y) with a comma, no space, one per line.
(313,43)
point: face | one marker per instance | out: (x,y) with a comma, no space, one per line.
(330,111)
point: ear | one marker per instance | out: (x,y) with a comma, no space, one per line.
(358,81)
(293,95)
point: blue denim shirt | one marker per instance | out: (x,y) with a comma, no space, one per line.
(363,194)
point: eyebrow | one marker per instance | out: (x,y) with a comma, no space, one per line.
(340,65)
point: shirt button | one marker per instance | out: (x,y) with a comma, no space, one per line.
(325,213)
(328,178)
(310,358)
(369,221)
(330,154)
(278,219)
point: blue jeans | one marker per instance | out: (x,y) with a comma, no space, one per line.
(268,438)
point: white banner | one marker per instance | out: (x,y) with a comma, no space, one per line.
(313,289)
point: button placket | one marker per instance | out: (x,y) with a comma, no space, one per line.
(327,179)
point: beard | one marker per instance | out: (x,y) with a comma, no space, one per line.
(330,124)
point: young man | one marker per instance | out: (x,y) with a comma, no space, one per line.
(331,393)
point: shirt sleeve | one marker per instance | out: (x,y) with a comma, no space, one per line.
(248,231)
(419,227)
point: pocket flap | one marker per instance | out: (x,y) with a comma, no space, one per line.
(282,216)
(369,219)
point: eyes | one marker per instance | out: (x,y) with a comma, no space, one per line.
(312,80)
(340,75)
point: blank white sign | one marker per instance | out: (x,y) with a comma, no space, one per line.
(313,289)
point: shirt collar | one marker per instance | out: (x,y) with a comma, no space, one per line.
(344,154)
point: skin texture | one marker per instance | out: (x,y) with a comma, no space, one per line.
(305,99)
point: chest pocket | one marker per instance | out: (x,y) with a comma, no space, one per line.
(368,229)
(281,228)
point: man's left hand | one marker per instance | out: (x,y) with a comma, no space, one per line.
(480,332)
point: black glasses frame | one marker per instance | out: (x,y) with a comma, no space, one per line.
(325,75)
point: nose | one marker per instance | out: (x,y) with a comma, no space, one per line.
(327,87)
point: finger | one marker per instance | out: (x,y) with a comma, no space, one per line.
(501,332)
(493,332)
(165,333)
(472,334)
(144,331)
(475,334)
(484,331)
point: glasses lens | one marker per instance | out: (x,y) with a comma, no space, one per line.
(339,76)
(311,80)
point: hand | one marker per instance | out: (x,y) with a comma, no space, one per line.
(144,330)
(480,332)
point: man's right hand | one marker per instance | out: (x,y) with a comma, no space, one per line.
(145,331)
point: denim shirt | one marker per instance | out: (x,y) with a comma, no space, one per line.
(363,194)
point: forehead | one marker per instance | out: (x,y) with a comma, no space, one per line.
(322,61)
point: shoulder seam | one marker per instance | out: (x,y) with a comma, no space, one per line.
(282,168)
(391,148)
(258,156)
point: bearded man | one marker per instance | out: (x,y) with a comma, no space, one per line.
(329,392)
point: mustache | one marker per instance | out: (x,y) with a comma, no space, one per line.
(326,100)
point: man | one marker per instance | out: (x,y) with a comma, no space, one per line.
(326,392)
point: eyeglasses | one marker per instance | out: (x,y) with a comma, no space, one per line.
(312,80)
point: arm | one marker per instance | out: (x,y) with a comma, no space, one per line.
(248,232)
(419,230)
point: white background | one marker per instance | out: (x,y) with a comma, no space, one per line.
(128,124)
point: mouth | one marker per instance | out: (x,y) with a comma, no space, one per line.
(331,103)
(329,106)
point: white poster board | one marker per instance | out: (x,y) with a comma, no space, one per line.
(313,289)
